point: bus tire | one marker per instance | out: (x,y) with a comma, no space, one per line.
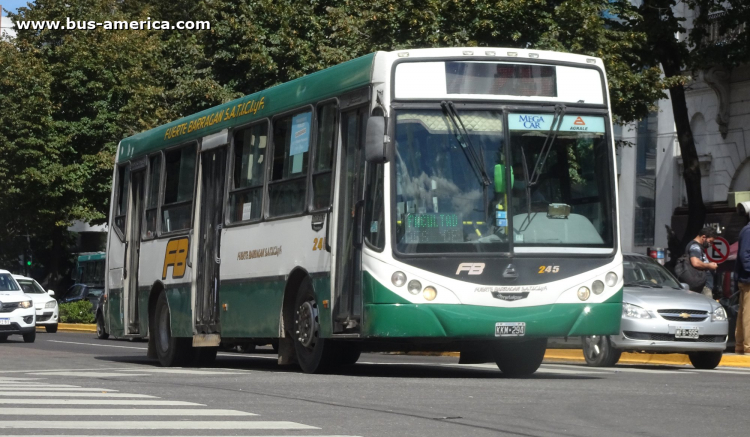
(171,351)
(599,352)
(314,354)
(101,330)
(204,356)
(348,354)
(521,359)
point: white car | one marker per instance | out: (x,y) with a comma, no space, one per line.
(47,311)
(17,313)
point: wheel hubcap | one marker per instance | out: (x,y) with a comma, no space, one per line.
(306,324)
(595,346)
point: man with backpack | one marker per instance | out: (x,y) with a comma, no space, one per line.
(699,261)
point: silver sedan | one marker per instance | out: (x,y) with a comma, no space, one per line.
(660,316)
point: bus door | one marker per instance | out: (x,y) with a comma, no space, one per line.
(133,239)
(213,165)
(348,210)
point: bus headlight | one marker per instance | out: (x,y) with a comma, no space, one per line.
(584,293)
(597,287)
(414,286)
(429,293)
(611,279)
(398,279)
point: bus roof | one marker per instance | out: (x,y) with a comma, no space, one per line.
(93,256)
(308,89)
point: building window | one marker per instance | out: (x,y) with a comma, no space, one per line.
(645,182)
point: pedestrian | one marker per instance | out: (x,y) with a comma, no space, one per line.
(742,273)
(699,260)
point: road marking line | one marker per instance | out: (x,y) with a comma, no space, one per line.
(88,374)
(720,371)
(7,386)
(625,369)
(121,412)
(68,435)
(140,424)
(180,371)
(57,402)
(72,395)
(99,345)
(75,389)
(52,370)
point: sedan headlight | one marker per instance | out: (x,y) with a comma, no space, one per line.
(25,304)
(634,312)
(51,304)
(718,315)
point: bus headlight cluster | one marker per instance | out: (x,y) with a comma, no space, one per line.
(398,279)
(597,287)
(414,287)
(584,293)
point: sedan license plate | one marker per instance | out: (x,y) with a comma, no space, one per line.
(4,321)
(691,333)
(510,329)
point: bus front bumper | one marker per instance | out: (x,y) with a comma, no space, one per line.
(401,320)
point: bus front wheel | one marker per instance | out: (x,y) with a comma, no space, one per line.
(171,351)
(521,359)
(314,354)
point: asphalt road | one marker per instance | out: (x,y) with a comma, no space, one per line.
(73,384)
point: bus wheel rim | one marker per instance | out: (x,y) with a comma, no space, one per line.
(307,324)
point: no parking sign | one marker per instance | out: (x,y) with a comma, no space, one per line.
(718,252)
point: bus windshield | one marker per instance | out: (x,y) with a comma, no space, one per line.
(442,205)
(562,195)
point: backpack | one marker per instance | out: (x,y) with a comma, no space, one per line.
(688,274)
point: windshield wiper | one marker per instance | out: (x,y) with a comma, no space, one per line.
(462,135)
(476,162)
(533,178)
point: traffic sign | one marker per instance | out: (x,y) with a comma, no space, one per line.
(718,252)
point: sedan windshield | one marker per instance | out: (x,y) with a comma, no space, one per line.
(443,165)
(30,286)
(647,273)
(7,283)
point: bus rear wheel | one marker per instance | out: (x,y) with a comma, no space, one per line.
(171,351)
(521,359)
(314,354)
(101,330)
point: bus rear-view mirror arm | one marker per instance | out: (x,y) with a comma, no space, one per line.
(376,140)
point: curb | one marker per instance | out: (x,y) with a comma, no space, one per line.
(73,327)
(576,356)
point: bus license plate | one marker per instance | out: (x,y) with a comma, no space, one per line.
(4,321)
(510,329)
(691,333)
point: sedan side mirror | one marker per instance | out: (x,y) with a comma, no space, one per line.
(684,286)
(51,292)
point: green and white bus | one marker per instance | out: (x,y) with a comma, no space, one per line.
(456,199)
(89,269)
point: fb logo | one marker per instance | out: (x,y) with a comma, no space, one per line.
(176,257)
(471,268)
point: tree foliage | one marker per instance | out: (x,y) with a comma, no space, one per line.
(67,97)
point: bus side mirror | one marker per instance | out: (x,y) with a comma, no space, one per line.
(376,140)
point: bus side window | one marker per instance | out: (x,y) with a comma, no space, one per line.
(248,176)
(121,207)
(178,190)
(288,184)
(323,158)
(152,202)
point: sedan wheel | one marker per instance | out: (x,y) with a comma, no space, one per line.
(705,360)
(598,351)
